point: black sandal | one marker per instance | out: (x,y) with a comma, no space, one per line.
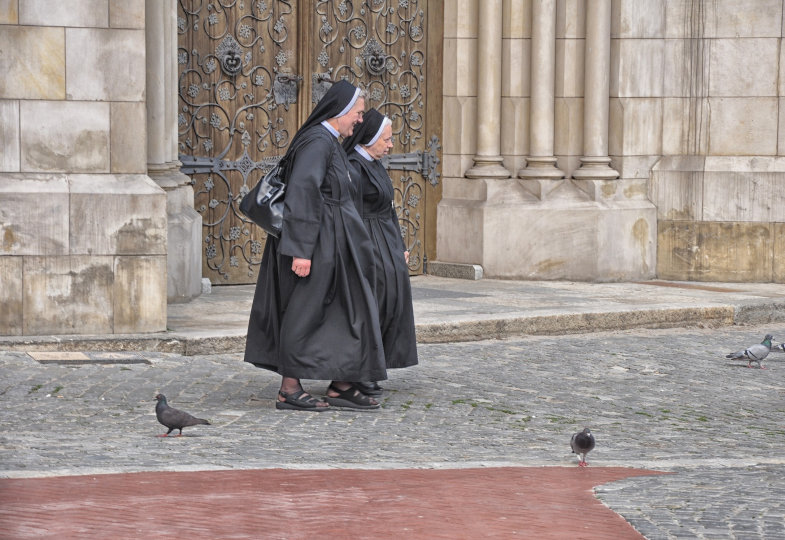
(351,398)
(296,402)
(368,388)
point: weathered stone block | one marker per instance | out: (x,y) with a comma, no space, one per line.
(570,19)
(126,13)
(635,127)
(68,295)
(676,188)
(129,137)
(516,21)
(460,127)
(60,136)
(117,214)
(466,67)
(93,13)
(744,67)
(638,19)
(568,139)
(627,241)
(569,68)
(33,214)
(515,128)
(637,68)
(460,18)
(9,136)
(685,126)
(726,19)
(123,50)
(560,242)
(714,251)
(11,296)
(633,167)
(41,75)
(778,270)
(744,196)
(516,56)
(9,11)
(743,126)
(139,302)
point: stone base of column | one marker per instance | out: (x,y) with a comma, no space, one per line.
(595,168)
(184,234)
(488,167)
(541,168)
(513,235)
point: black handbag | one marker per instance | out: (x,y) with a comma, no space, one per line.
(264,203)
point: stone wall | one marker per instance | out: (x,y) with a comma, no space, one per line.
(83,228)
(694,130)
(697,105)
(562,211)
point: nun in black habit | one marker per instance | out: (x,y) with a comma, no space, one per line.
(314,312)
(371,141)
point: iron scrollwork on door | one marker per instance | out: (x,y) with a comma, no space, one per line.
(380,45)
(235,89)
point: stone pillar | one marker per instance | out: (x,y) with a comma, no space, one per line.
(595,163)
(541,164)
(488,160)
(184,233)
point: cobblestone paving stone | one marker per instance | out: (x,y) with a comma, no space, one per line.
(666,400)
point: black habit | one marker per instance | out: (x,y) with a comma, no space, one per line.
(326,325)
(392,286)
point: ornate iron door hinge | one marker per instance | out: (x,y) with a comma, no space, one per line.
(424,162)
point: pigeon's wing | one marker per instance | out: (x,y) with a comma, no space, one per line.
(171,417)
(757,352)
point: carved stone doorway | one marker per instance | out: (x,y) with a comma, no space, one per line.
(251,72)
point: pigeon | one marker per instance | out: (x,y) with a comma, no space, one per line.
(173,418)
(756,353)
(582,443)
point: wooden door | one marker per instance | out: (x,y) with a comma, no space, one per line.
(251,72)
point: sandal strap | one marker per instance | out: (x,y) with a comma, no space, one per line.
(296,398)
(352,394)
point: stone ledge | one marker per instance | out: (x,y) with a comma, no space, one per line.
(455,270)
(232,342)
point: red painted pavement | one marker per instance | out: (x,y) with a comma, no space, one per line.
(336,504)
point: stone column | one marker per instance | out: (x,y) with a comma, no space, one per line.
(541,163)
(184,232)
(488,160)
(595,163)
(157,152)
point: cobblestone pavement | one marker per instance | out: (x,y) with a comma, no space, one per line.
(666,400)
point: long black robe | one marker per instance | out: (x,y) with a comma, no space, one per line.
(324,326)
(392,286)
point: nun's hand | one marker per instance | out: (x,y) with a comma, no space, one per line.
(301,267)
(406,256)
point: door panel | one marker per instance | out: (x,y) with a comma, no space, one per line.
(250,73)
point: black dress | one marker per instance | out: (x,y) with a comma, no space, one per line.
(324,326)
(392,286)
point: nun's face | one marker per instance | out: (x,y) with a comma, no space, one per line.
(345,124)
(382,144)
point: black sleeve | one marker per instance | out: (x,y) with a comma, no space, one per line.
(394,219)
(303,202)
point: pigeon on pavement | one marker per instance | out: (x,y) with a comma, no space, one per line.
(582,443)
(173,418)
(756,353)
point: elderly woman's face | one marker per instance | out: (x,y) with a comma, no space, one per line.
(345,124)
(382,144)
